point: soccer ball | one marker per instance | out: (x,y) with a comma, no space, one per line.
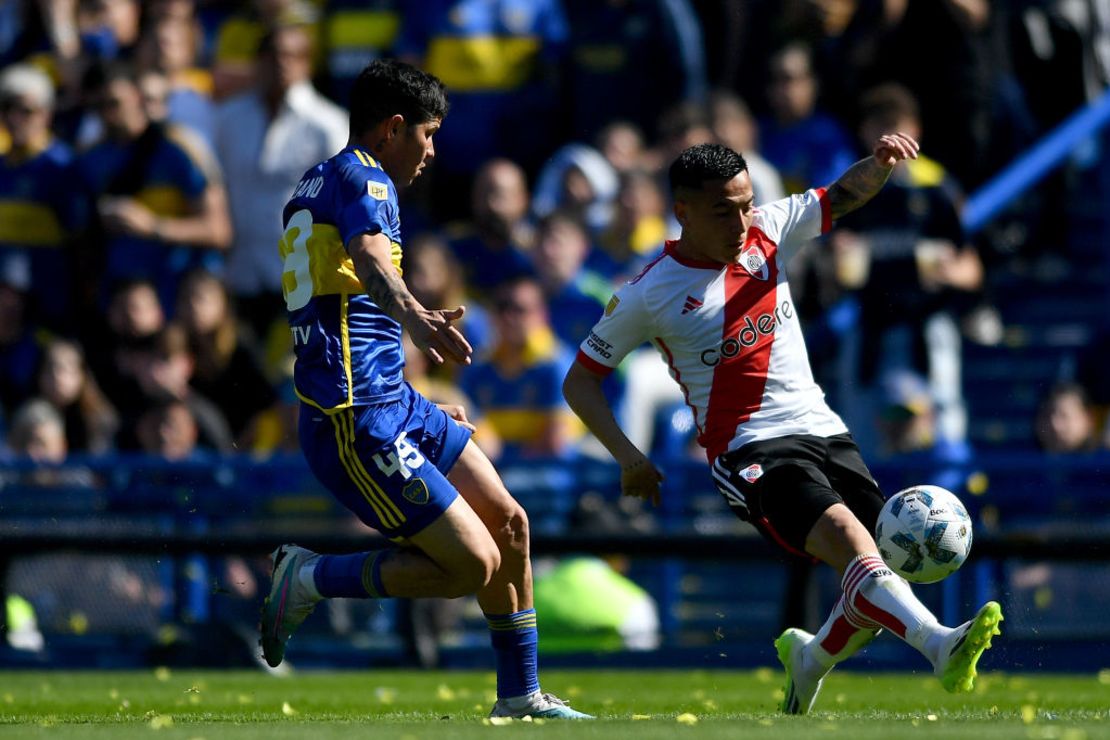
(924,533)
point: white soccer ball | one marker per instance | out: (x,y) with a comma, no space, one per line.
(924,533)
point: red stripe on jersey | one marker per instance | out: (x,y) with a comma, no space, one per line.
(749,330)
(593,365)
(826,209)
(647,267)
(766,526)
(677,374)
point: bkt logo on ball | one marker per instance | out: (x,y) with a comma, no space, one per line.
(924,533)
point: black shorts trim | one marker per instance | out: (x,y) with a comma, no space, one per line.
(782,486)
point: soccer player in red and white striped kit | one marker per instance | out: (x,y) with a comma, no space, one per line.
(717,305)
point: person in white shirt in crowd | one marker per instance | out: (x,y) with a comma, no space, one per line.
(265,139)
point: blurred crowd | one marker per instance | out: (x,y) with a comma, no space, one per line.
(147,149)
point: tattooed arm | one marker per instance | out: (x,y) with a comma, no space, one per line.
(431,330)
(863,180)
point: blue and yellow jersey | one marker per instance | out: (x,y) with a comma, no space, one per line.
(174,176)
(348,350)
(355,33)
(488,53)
(520,399)
(41,207)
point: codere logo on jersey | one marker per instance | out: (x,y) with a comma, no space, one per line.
(750,332)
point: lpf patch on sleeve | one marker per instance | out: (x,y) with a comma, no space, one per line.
(612,305)
(377,191)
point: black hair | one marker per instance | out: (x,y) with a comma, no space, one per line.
(888,103)
(702,163)
(101,74)
(388,87)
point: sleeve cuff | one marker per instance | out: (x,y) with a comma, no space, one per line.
(826,209)
(593,365)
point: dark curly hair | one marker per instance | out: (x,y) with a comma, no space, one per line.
(388,87)
(703,162)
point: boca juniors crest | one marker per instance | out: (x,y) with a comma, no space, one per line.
(754,262)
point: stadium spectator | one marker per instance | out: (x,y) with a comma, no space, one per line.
(38,436)
(1065,421)
(353,34)
(574,295)
(109,28)
(632,60)
(775,449)
(912,269)
(65,381)
(578,179)
(159,197)
(227,370)
(266,139)
(168,430)
(492,246)
(806,145)
(501,60)
(43,208)
(622,144)
(239,38)
(734,126)
(516,387)
(169,46)
(164,373)
(38,433)
(636,231)
(435,276)
(19,350)
(680,127)
(134,318)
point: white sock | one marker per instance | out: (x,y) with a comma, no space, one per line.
(307,577)
(838,639)
(521,702)
(874,594)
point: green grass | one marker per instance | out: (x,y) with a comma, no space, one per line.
(631,704)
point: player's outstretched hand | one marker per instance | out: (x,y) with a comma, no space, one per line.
(458,413)
(640,479)
(433,333)
(891,149)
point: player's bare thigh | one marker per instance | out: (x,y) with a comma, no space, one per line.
(838,537)
(461,548)
(479,483)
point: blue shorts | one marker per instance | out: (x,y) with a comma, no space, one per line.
(386,462)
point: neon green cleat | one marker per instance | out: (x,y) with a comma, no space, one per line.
(800,690)
(968,642)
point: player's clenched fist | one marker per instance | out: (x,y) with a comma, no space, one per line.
(640,479)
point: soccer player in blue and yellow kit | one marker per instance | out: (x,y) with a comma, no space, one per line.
(405,466)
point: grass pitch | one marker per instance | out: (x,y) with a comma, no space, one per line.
(630,704)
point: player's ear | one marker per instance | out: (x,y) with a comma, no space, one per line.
(680,211)
(395,126)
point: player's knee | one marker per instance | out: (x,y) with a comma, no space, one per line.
(471,573)
(510,529)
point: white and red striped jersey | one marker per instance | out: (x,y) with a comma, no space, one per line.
(730,334)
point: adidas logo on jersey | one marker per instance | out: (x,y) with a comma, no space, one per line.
(692,304)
